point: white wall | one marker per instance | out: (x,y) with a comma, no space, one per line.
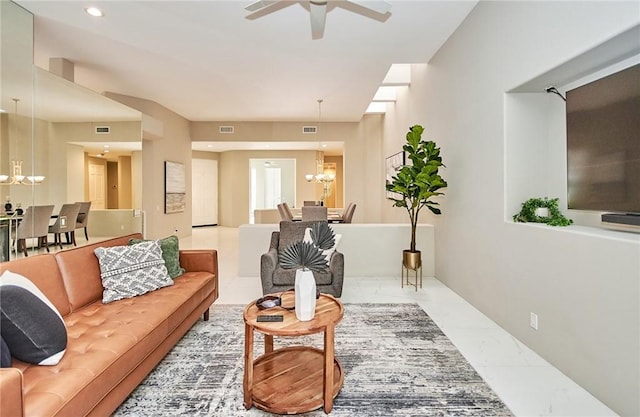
(584,283)
(365,254)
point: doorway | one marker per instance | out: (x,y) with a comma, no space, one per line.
(204,190)
(272,181)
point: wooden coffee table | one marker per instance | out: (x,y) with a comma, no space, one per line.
(293,379)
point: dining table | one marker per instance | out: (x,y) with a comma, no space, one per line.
(333,215)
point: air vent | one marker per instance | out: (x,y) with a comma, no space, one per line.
(310,129)
(226,129)
(103,130)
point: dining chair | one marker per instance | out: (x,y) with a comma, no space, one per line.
(65,223)
(83,217)
(287,210)
(34,224)
(283,213)
(348,213)
(310,213)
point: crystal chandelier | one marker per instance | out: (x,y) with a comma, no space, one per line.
(319,176)
(17,178)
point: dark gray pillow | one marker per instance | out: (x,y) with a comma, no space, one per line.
(29,323)
(5,354)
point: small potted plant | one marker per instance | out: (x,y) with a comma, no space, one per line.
(307,257)
(416,184)
(541,210)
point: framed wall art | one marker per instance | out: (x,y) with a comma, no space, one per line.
(174,187)
(393,164)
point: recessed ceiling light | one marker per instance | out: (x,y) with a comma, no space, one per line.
(94,11)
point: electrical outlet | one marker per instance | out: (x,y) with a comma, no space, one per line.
(533,321)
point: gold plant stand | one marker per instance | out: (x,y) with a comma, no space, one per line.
(411,261)
(415,282)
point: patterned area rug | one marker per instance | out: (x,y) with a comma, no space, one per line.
(396,361)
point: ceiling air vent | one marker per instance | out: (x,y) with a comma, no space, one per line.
(226,129)
(309,129)
(103,130)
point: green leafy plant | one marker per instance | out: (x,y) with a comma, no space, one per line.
(528,212)
(308,255)
(418,182)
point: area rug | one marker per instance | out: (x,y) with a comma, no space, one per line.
(396,362)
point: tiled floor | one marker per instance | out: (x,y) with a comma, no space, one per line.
(526,383)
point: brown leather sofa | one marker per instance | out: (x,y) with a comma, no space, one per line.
(110,347)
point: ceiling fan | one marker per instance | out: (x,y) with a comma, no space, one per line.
(318,10)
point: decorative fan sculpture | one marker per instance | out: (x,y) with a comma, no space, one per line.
(318,10)
(309,255)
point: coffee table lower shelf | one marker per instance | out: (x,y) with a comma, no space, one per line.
(291,380)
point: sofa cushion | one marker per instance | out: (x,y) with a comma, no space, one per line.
(80,272)
(5,354)
(129,271)
(170,253)
(291,232)
(29,323)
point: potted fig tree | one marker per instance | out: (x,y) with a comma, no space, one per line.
(415,185)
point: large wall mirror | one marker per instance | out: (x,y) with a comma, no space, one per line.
(62,143)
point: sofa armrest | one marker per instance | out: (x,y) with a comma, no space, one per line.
(199,260)
(11,401)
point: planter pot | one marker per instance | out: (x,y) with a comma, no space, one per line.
(305,290)
(411,260)
(542,212)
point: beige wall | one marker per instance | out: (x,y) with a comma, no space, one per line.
(363,164)
(125,188)
(233,209)
(174,145)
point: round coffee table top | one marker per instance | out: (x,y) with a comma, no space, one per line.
(329,311)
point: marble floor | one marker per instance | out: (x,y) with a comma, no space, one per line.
(526,383)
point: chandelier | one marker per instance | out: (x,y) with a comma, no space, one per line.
(16,177)
(319,176)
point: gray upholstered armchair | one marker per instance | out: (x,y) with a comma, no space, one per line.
(277,279)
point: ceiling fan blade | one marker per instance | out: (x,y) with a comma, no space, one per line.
(318,14)
(379,6)
(260,4)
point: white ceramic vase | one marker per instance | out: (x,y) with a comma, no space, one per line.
(305,290)
(542,212)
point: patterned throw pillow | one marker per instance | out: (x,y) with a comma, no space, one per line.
(30,325)
(170,254)
(129,271)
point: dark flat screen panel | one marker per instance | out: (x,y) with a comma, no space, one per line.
(603,143)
